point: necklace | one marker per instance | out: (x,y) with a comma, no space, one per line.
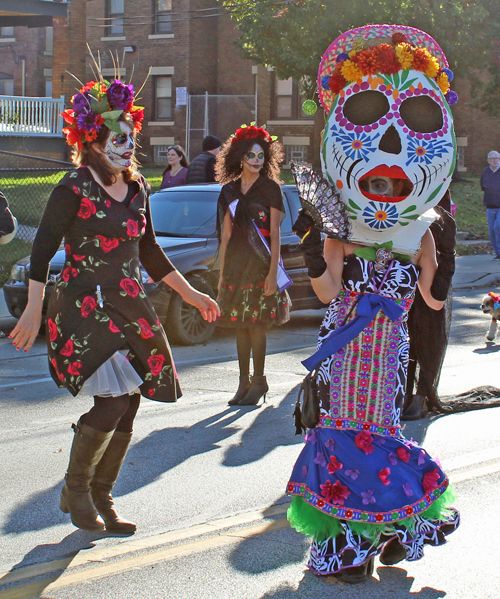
(172,173)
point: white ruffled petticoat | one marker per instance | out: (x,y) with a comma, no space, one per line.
(113,378)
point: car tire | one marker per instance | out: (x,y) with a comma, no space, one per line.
(184,323)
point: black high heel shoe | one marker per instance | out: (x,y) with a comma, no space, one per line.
(258,388)
(243,389)
(358,573)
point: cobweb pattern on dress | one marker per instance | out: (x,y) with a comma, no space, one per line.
(321,201)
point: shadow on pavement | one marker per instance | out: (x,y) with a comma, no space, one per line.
(491,348)
(266,433)
(64,552)
(394,582)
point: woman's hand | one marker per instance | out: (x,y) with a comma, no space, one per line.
(26,330)
(208,307)
(270,284)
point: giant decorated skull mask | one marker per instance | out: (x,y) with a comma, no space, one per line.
(389,148)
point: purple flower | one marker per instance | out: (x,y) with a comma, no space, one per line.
(120,95)
(330,444)
(320,460)
(407,490)
(393,458)
(311,437)
(450,74)
(342,56)
(81,103)
(368,497)
(87,121)
(421,458)
(451,98)
(352,473)
(325,81)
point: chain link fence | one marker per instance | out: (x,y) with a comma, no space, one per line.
(27,182)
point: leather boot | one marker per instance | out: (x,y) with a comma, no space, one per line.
(104,480)
(416,410)
(392,553)
(87,450)
(258,388)
(243,388)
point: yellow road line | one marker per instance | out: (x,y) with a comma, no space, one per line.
(121,563)
(113,568)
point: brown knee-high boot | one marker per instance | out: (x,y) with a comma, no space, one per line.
(88,447)
(104,480)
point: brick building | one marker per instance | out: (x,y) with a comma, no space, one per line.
(198,81)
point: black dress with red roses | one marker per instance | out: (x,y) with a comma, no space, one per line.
(98,305)
(246,263)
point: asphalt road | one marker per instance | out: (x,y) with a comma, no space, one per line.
(205,483)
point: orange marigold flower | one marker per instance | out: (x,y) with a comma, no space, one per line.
(443,82)
(350,71)
(337,82)
(405,55)
(387,59)
(433,67)
(421,58)
(90,135)
(367,61)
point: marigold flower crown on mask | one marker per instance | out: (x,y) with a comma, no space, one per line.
(388,144)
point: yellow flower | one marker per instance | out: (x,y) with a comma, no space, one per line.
(433,67)
(359,44)
(352,53)
(404,54)
(350,71)
(442,81)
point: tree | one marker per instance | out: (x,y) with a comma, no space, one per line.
(292,35)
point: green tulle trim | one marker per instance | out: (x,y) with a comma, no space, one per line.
(310,521)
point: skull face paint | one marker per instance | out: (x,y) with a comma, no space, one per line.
(254,159)
(120,147)
(389,148)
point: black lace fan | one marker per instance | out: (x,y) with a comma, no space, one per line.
(321,201)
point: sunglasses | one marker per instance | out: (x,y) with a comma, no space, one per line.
(252,155)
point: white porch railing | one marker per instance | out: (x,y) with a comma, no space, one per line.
(31,117)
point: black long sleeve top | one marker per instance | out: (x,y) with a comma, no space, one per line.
(61,211)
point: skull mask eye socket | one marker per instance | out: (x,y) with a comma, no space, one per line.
(119,139)
(366,108)
(422,114)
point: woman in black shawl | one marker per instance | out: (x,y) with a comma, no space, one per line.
(250,210)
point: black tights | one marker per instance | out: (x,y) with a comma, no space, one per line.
(113,413)
(251,341)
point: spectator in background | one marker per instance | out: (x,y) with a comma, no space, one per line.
(8,223)
(176,171)
(490,184)
(202,168)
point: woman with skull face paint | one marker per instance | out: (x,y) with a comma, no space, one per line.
(250,210)
(361,489)
(104,338)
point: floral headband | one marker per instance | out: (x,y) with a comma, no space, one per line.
(252,132)
(381,49)
(97,104)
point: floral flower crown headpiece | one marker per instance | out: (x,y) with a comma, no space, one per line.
(100,103)
(384,49)
(252,132)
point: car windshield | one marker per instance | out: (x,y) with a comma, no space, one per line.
(180,213)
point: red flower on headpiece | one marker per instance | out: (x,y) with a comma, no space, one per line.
(398,38)
(251,132)
(337,82)
(367,61)
(387,59)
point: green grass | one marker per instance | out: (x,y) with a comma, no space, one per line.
(471,214)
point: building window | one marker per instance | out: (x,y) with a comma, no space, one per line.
(6,31)
(163,16)
(160,154)
(288,100)
(6,84)
(49,41)
(48,88)
(163,98)
(295,154)
(115,10)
